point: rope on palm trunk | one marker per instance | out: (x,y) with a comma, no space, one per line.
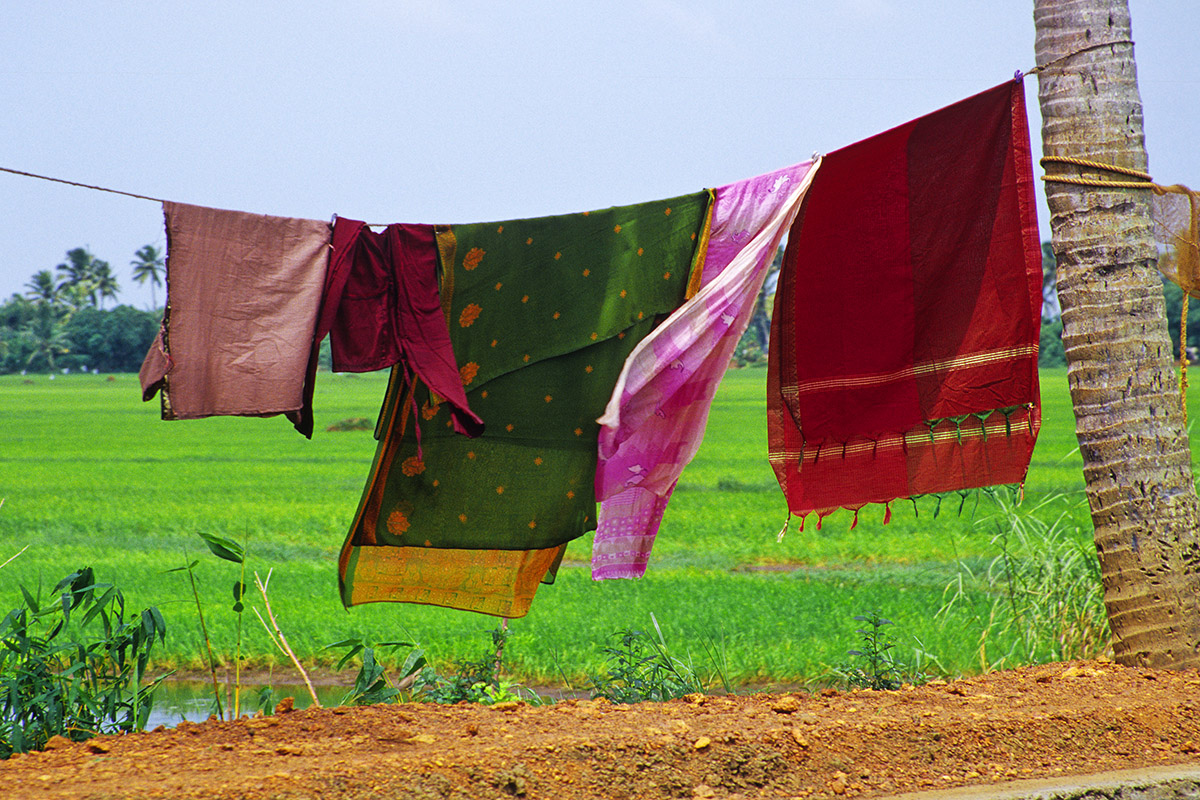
(1187,244)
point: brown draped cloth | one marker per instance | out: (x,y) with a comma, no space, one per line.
(242,297)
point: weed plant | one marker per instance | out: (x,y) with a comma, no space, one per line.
(74,664)
(640,668)
(372,684)
(1046,598)
(877,668)
(474,681)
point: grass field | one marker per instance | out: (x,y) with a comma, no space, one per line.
(91,476)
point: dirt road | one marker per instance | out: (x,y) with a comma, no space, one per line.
(1044,721)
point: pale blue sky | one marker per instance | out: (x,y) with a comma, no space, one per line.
(445,111)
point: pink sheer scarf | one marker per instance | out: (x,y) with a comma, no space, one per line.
(655,420)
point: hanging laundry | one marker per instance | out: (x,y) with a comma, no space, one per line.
(242,298)
(497,582)
(381,307)
(542,315)
(903,355)
(654,422)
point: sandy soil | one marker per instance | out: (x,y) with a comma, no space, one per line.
(1046,721)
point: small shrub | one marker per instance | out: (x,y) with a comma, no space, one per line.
(265,700)
(640,668)
(877,668)
(876,664)
(372,683)
(475,681)
(351,424)
(73,666)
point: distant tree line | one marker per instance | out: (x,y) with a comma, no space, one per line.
(60,321)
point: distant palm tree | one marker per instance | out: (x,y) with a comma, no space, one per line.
(41,287)
(47,334)
(148,266)
(76,295)
(104,283)
(77,269)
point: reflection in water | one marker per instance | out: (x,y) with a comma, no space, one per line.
(175,701)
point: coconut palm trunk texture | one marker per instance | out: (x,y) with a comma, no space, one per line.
(1123,382)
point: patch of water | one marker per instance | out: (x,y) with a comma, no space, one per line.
(175,701)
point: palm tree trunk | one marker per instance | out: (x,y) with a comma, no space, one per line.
(1137,465)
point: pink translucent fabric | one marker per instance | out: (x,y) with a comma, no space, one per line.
(655,420)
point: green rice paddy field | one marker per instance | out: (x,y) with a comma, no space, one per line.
(91,476)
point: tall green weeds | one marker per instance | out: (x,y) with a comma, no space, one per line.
(74,664)
(640,668)
(1047,600)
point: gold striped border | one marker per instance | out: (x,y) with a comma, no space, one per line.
(959,362)
(447,245)
(916,437)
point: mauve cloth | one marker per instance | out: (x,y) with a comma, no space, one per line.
(242,297)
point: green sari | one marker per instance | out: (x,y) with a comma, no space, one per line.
(542,315)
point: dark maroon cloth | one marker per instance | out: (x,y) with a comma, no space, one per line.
(381,307)
(904,342)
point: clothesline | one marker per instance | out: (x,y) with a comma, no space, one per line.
(580,339)
(118,191)
(81,185)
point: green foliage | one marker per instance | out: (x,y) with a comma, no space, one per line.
(229,550)
(351,424)
(73,665)
(1045,597)
(1173,299)
(47,337)
(224,548)
(876,667)
(111,341)
(372,684)
(749,352)
(468,685)
(61,321)
(474,681)
(148,265)
(1050,305)
(1050,347)
(190,568)
(639,668)
(265,700)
